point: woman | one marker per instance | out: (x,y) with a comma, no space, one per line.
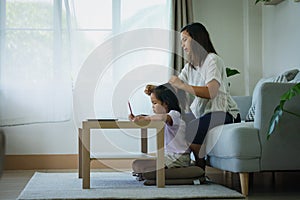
(204,76)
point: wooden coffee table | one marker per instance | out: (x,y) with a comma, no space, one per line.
(84,154)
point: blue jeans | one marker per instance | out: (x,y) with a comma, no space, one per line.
(197,129)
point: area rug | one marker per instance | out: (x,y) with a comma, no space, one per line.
(115,185)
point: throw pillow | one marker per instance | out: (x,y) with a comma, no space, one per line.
(296,79)
(290,75)
(256,93)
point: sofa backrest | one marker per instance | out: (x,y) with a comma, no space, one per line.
(244,103)
(2,151)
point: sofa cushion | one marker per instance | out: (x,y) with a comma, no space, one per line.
(178,176)
(244,103)
(173,176)
(190,181)
(148,169)
(191,172)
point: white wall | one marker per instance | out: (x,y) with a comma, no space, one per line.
(236,31)
(281,37)
(56,138)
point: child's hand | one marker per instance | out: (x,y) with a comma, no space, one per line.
(149,89)
(131,117)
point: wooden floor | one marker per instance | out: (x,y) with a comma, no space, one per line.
(267,185)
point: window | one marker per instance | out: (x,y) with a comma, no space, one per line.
(45,43)
(34,67)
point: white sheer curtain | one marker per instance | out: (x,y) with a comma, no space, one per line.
(46,43)
(35,72)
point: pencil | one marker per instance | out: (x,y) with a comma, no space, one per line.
(130,108)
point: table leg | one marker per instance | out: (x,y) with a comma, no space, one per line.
(144,142)
(80,153)
(86,158)
(160,161)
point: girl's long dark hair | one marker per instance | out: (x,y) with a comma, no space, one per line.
(167,94)
(201,44)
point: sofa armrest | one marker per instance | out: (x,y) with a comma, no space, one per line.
(2,151)
(234,147)
(244,104)
(269,98)
(284,143)
(232,140)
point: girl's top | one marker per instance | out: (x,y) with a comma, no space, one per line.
(175,141)
(212,68)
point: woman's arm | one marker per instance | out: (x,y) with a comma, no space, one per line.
(209,91)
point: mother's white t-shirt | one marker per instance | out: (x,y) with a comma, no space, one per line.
(212,69)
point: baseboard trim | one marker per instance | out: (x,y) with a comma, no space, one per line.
(58,161)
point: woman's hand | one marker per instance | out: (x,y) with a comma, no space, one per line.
(208,92)
(176,82)
(149,89)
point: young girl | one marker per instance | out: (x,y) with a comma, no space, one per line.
(166,107)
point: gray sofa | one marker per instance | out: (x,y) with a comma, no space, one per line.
(2,150)
(243,147)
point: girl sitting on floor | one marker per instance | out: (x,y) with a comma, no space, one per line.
(166,107)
